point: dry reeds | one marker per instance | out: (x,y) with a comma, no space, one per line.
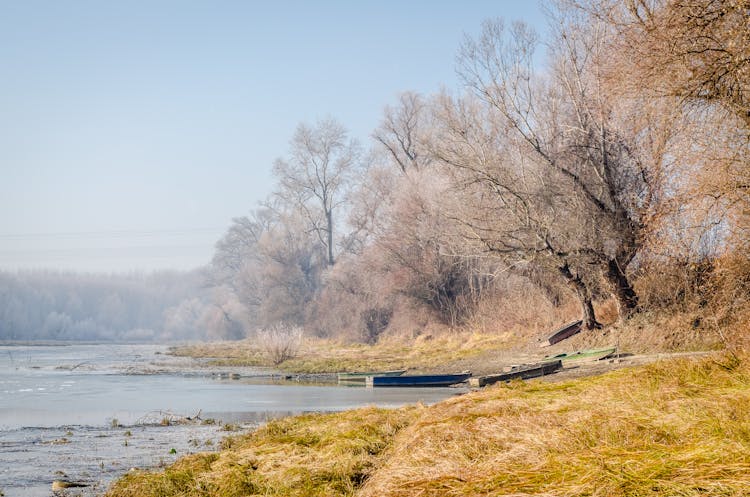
(311,455)
(673,428)
(679,427)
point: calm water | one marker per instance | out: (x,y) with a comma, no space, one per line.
(58,405)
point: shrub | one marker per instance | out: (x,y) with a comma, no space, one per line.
(280,342)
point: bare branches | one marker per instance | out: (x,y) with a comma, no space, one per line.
(401,133)
(322,166)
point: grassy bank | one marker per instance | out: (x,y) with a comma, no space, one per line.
(671,428)
(482,353)
(311,455)
(325,356)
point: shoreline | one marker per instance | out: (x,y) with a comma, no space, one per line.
(534,437)
(91,446)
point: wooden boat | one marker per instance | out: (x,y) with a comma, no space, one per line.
(523,372)
(585,355)
(358,378)
(418,380)
(566,331)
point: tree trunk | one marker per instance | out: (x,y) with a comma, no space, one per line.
(584,297)
(627,299)
(329,233)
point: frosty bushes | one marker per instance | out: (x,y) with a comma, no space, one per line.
(280,342)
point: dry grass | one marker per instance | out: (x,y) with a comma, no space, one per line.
(324,356)
(650,332)
(311,455)
(673,428)
(679,428)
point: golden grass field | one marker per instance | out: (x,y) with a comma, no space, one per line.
(672,428)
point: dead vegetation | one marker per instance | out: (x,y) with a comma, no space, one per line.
(312,455)
(677,427)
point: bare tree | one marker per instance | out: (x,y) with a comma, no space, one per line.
(695,55)
(238,248)
(552,153)
(695,50)
(270,263)
(402,133)
(422,255)
(507,201)
(315,179)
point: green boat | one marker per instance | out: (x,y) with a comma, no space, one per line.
(584,355)
(358,378)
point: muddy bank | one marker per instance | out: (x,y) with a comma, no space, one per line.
(31,459)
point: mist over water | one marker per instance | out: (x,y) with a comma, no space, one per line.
(155,307)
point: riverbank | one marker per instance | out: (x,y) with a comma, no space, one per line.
(674,427)
(639,341)
(424,354)
(89,413)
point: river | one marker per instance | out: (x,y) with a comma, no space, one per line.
(89,413)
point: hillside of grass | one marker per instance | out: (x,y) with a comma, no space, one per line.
(677,427)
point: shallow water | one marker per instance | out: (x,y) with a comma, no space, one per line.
(58,405)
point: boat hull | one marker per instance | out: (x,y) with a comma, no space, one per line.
(586,355)
(521,373)
(440,380)
(358,378)
(566,331)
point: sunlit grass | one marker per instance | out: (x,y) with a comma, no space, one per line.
(325,356)
(312,455)
(674,428)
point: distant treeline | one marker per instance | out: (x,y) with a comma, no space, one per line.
(163,306)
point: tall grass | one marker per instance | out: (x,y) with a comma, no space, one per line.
(311,455)
(674,428)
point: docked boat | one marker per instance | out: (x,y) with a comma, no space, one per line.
(585,355)
(417,380)
(523,372)
(566,331)
(358,378)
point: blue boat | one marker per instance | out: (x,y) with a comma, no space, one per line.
(417,380)
(358,379)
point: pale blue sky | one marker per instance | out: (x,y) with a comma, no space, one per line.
(132,132)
